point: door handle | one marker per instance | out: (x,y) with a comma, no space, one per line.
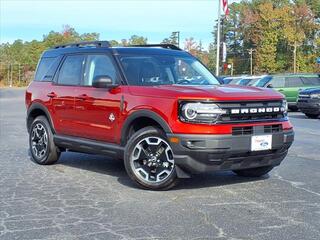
(52,95)
(83,97)
(280,90)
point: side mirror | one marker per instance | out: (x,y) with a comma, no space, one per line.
(269,86)
(103,81)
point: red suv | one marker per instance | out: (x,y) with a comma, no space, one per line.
(157,108)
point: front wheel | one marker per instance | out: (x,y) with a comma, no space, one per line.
(149,160)
(253,172)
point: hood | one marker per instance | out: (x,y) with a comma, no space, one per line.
(309,91)
(214,92)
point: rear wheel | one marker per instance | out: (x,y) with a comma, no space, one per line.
(293,108)
(253,172)
(42,147)
(149,160)
(309,115)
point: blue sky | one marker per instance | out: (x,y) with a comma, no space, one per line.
(120,19)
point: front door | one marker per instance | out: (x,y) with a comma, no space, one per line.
(97,110)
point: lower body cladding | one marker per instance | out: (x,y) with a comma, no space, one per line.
(310,106)
(203,153)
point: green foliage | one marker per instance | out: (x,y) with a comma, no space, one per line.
(172,39)
(277,30)
(19,59)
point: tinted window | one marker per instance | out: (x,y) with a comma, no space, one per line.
(244,82)
(277,82)
(311,81)
(263,81)
(99,65)
(70,72)
(294,82)
(46,69)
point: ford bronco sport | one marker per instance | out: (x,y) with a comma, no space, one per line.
(157,108)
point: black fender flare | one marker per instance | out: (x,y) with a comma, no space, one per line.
(143,113)
(38,106)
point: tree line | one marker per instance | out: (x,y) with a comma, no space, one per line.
(281,35)
(278,35)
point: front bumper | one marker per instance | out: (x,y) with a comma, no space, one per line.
(311,106)
(203,153)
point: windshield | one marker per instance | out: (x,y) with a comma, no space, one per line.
(262,82)
(151,70)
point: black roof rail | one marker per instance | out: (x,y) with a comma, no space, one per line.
(162,45)
(81,44)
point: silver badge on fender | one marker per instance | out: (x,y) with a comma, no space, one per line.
(112,117)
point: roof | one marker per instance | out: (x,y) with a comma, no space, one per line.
(134,50)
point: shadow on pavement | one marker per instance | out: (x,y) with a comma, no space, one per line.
(297,115)
(113,167)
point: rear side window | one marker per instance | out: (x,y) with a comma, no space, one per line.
(46,69)
(294,82)
(277,82)
(311,81)
(71,70)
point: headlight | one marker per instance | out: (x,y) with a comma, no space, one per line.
(284,106)
(315,95)
(200,112)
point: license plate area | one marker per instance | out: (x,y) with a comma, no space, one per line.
(261,143)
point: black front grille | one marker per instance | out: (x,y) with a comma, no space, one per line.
(242,130)
(250,130)
(252,111)
(303,98)
(273,128)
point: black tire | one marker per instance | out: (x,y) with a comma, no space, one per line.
(51,153)
(130,164)
(309,115)
(253,172)
(293,108)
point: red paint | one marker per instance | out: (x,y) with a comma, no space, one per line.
(85,111)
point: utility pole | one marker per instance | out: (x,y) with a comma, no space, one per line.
(295,57)
(19,77)
(8,75)
(218,40)
(11,68)
(251,60)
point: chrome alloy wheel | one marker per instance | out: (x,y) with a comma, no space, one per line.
(39,141)
(152,160)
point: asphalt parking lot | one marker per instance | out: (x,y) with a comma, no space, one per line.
(91,197)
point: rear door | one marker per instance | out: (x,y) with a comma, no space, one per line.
(63,93)
(277,82)
(97,110)
(292,87)
(310,81)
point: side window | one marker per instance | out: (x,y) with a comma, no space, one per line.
(277,82)
(294,82)
(46,69)
(311,81)
(99,65)
(71,70)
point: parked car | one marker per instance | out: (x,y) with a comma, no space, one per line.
(249,81)
(289,85)
(309,102)
(232,80)
(157,108)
